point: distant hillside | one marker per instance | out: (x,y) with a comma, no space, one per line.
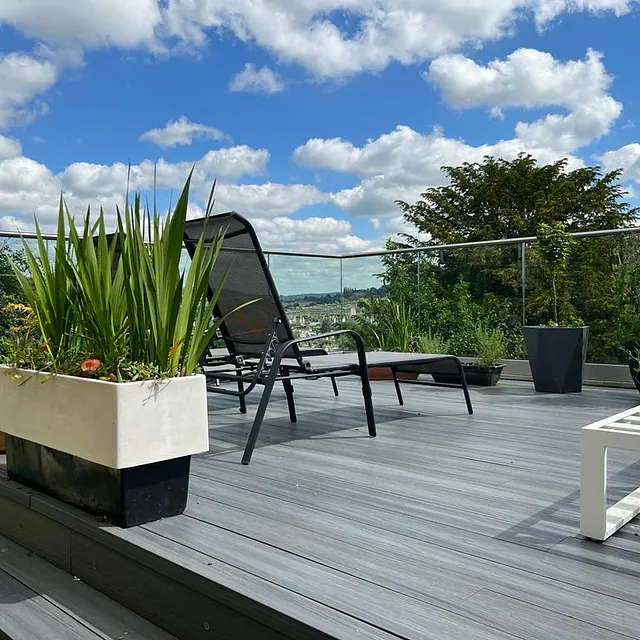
(350,295)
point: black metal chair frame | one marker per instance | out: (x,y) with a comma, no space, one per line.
(268,368)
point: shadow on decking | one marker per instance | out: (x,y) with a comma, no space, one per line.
(331,420)
(536,530)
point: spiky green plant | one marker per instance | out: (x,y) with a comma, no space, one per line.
(491,347)
(396,329)
(50,292)
(146,311)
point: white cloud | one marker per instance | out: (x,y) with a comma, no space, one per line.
(263,80)
(579,128)
(402,163)
(314,235)
(627,158)
(269,199)
(529,78)
(22,79)
(364,35)
(9,148)
(525,78)
(181,132)
(28,187)
(85,179)
(330,38)
(89,23)
(547,10)
(234,162)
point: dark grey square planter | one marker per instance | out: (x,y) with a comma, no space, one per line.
(126,497)
(557,356)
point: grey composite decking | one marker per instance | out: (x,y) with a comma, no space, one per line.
(444,526)
(40,602)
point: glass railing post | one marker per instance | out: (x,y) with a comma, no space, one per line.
(342,318)
(419,291)
(523,258)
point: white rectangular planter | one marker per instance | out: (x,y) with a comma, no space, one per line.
(117,425)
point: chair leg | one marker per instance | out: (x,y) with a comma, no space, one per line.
(394,373)
(259,417)
(465,388)
(288,389)
(243,403)
(368,402)
(335,386)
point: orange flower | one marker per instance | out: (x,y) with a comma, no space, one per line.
(90,365)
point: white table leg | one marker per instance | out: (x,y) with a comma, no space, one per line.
(593,487)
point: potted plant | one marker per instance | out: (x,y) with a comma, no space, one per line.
(387,325)
(102,404)
(486,369)
(556,353)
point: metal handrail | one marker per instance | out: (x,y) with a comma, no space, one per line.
(387,252)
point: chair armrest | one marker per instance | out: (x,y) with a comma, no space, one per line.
(362,355)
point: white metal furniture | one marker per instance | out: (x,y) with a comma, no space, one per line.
(621,431)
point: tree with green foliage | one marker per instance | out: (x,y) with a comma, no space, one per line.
(554,245)
(500,198)
(10,290)
(497,199)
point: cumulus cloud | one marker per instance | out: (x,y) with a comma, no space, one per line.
(269,199)
(402,163)
(263,80)
(547,10)
(333,38)
(627,158)
(9,147)
(235,162)
(314,235)
(528,78)
(90,23)
(28,187)
(525,78)
(181,132)
(86,179)
(329,38)
(22,79)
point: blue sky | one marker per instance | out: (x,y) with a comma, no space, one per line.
(315,115)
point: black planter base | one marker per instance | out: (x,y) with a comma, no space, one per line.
(483,377)
(126,497)
(557,356)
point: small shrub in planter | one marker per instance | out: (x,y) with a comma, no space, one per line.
(431,343)
(556,353)
(486,371)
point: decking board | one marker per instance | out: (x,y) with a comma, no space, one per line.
(444,526)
